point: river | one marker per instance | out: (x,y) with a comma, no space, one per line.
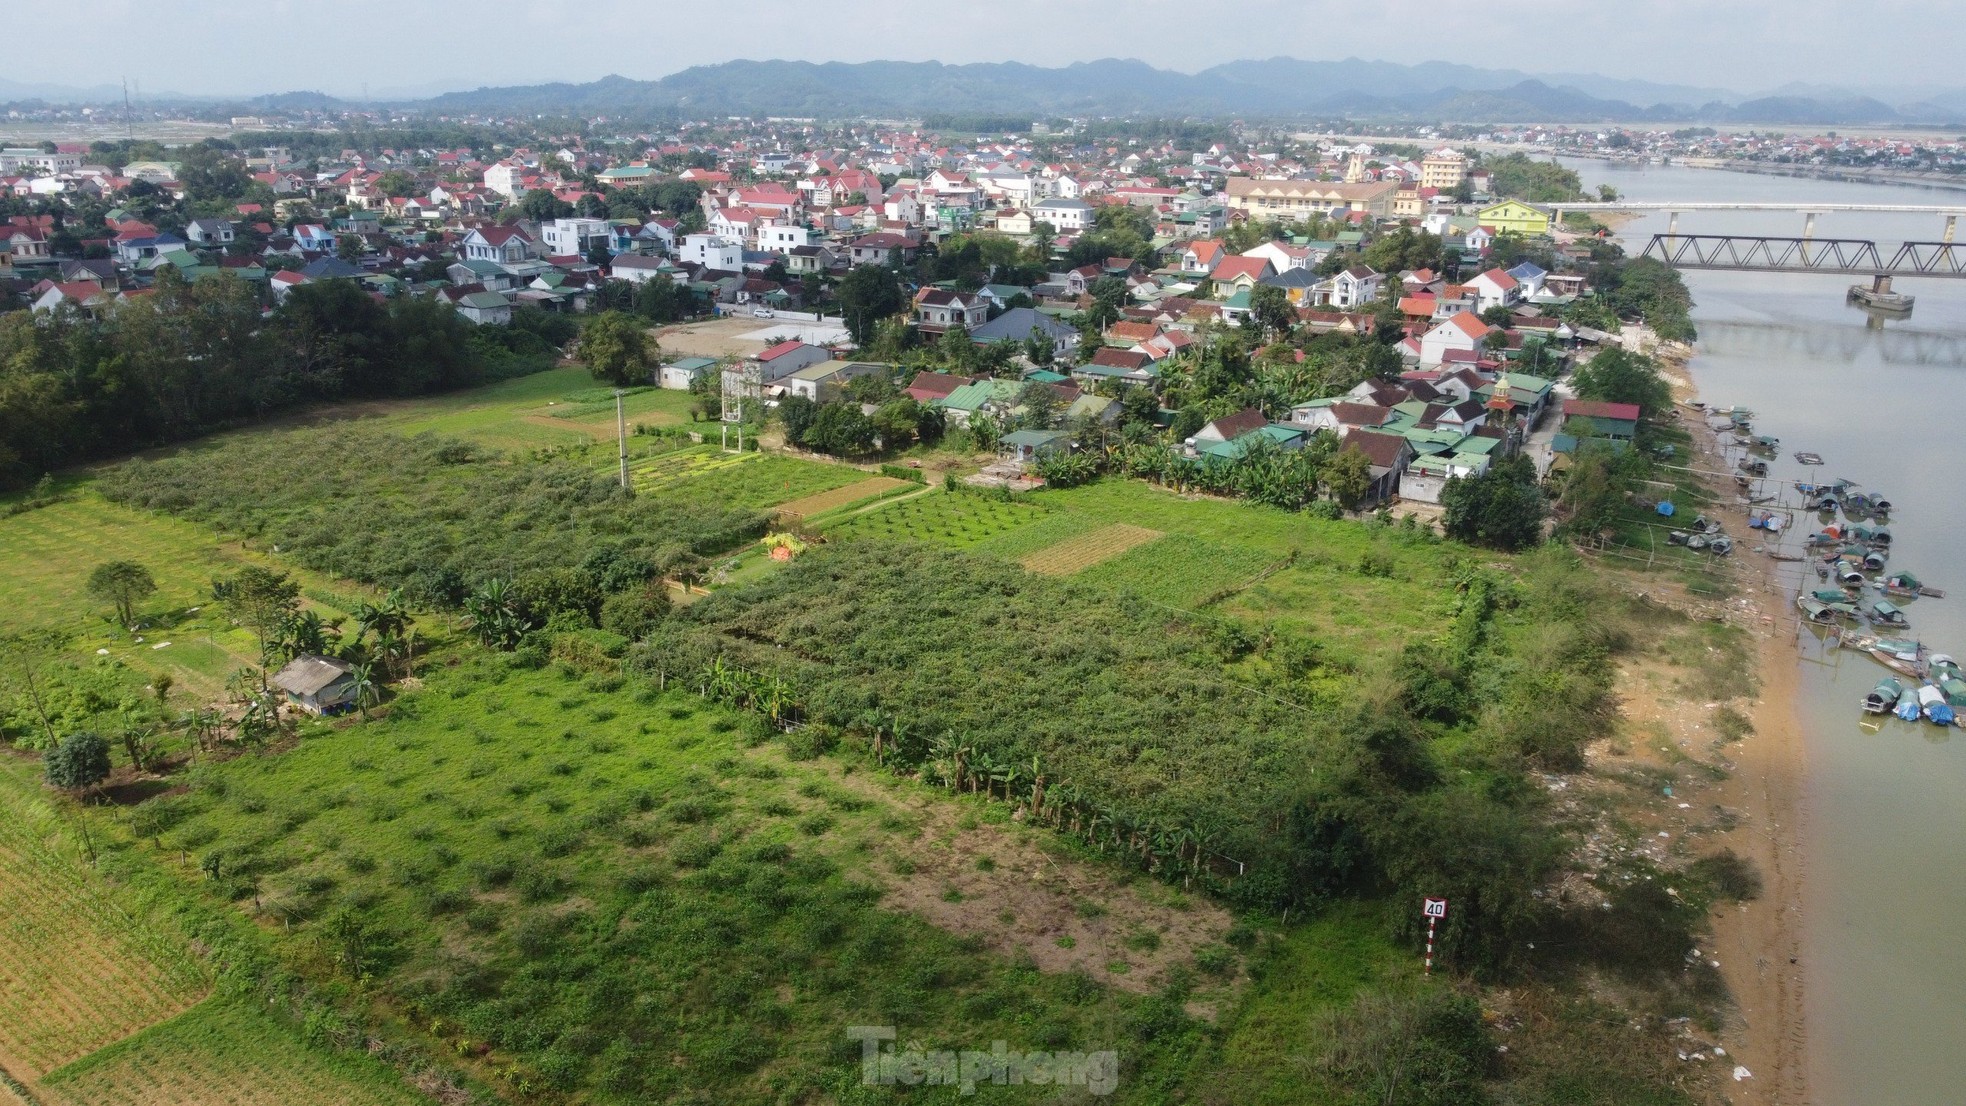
(1884,837)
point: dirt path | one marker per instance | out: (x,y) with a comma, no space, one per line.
(1759,943)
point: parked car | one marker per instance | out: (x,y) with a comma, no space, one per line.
(762,313)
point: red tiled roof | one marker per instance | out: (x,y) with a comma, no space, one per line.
(1597,409)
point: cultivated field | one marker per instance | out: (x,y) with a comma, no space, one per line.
(222,1053)
(738,479)
(844,496)
(958,520)
(1082,552)
(1179,570)
(76,971)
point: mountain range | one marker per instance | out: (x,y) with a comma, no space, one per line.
(1279,88)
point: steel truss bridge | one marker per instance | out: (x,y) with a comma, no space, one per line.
(1848,256)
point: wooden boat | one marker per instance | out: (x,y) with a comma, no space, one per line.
(1766,520)
(1678,537)
(1753,467)
(1721,545)
(1830,595)
(1883,612)
(1777,555)
(1871,535)
(1903,656)
(1804,458)
(1766,443)
(1696,541)
(1875,560)
(1884,696)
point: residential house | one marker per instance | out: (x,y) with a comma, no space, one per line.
(1239,274)
(827,380)
(635,268)
(882,248)
(711,252)
(485,308)
(680,375)
(1386,455)
(1354,287)
(780,238)
(1126,366)
(1464,332)
(1027,446)
(319,685)
(209,232)
(504,245)
(1018,324)
(575,237)
(938,311)
(1495,288)
(1066,216)
(1585,418)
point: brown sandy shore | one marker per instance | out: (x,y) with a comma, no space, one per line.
(1759,943)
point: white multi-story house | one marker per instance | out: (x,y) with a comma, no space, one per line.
(574,237)
(1065,216)
(499,245)
(779,238)
(712,252)
(1354,287)
(504,177)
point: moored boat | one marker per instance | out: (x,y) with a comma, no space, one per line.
(1907,707)
(1884,696)
(1932,704)
(1886,613)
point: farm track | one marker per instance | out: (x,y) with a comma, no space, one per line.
(1082,552)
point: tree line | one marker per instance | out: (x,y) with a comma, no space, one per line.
(191,357)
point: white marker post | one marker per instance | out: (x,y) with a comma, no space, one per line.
(1434,910)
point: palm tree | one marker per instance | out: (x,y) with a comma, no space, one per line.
(367,692)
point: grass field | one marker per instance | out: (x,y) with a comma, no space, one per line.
(76,972)
(558,407)
(46,556)
(223,1053)
(1076,554)
(1179,570)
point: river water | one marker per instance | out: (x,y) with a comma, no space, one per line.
(1884,839)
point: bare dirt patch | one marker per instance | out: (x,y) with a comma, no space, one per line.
(711,338)
(821,502)
(1017,890)
(1080,553)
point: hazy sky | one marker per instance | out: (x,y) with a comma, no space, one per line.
(243,46)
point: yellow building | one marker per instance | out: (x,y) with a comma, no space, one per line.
(1294,199)
(1514,217)
(1444,169)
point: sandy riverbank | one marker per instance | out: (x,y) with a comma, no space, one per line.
(1759,943)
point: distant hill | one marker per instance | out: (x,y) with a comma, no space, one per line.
(1269,88)
(1272,88)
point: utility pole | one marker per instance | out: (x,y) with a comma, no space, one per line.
(129,128)
(621,433)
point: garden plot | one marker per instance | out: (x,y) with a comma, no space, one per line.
(222,1054)
(951,518)
(1179,570)
(1082,552)
(76,972)
(842,496)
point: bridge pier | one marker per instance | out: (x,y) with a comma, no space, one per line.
(1952,221)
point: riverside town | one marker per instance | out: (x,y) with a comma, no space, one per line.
(566,576)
